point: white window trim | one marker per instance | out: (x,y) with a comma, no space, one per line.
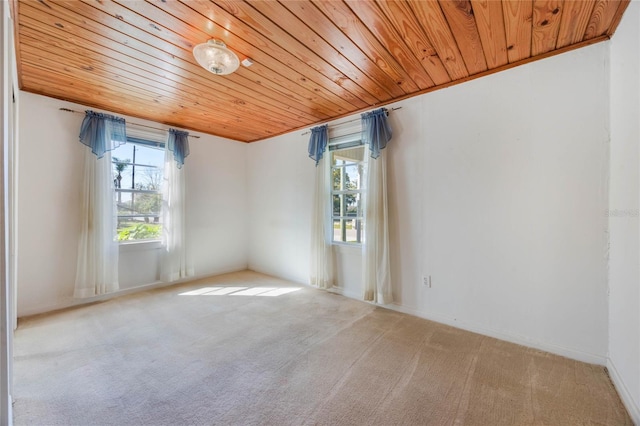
(151,135)
(347,248)
(140,245)
(352,137)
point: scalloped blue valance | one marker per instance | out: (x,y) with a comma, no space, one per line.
(376,131)
(178,143)
(102,132)
(318,142)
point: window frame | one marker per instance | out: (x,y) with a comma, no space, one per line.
(150,140)
(348,141)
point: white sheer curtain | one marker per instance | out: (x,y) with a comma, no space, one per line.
(97,265)
(175,263)
(376,265)
(377,270)
(321,274)
(321,265)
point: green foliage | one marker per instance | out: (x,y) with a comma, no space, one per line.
(350,199)
(140,231)
(120,164)
(148,204)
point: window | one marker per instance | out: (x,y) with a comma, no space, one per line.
(137,176)
(348,164)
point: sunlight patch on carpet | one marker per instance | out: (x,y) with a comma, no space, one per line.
(241,291)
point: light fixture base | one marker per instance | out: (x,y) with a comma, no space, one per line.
(215,57)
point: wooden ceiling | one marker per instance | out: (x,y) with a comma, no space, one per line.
(313,60)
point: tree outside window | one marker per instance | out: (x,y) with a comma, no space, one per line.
(347,173)
(137,187)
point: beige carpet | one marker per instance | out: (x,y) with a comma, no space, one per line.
(274,356)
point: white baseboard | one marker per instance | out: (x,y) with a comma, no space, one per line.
(512,338)
(71,302)
(521,340)
(10,411)
(346,293)
(623,391)
(7,418)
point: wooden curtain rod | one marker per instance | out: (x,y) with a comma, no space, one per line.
(350,121)
(135,124)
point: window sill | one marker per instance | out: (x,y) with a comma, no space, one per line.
(345,248)
(140,246)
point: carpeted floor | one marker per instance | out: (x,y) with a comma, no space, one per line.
(265,351)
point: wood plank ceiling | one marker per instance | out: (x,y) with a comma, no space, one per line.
(314,60)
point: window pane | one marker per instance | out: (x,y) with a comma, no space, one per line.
(348,230)
(352,177)
(353,230)
(148,204)
(139,215)
(336,178)
(138,167)
(131,230)
(123,202)
(348,156)
(335,161)
(137,203)
(336,205)
(337,230)
(346,176)
(352,205)
(147,178)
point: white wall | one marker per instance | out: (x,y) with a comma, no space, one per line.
(49,199)
(280,176)
(217,205)
(624,254)
(497,190)
(513,204)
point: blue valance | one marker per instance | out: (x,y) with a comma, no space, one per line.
(376,131)
(178,143)
(102,132)
(318,142)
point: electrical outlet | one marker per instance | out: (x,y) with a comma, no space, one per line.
(426,280)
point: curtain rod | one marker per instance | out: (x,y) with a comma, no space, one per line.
(350,121)
(135,124)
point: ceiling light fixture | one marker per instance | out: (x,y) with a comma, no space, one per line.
(214,56)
